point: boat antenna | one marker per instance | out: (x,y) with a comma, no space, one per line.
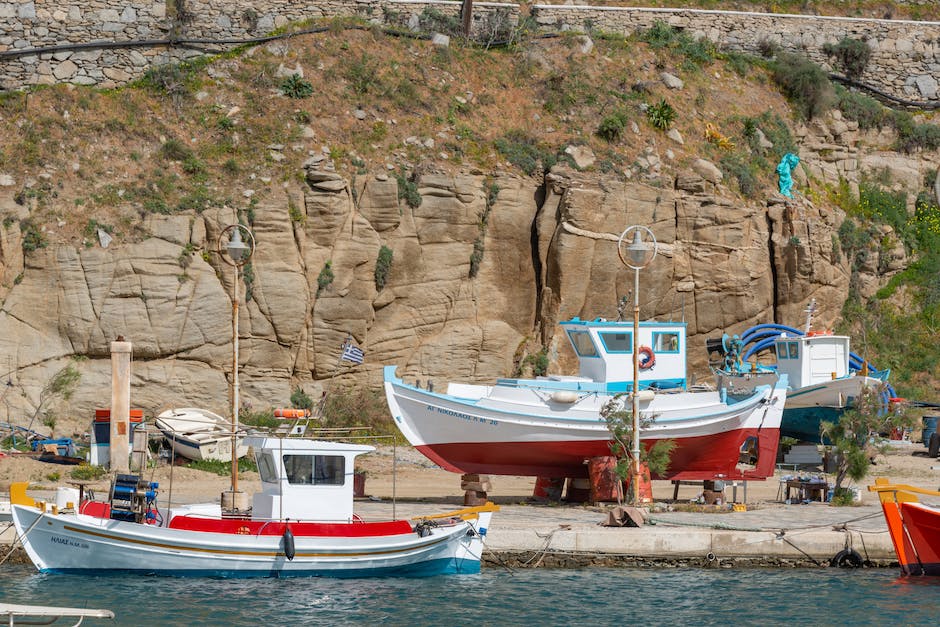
(621,307)
(810,310)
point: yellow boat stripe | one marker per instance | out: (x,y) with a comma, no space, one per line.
(176,547)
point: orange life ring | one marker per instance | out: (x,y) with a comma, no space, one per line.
(815,333)
(647,359)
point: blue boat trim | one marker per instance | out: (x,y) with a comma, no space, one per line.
(430,568)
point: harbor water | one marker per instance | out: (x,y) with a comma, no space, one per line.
(594,596)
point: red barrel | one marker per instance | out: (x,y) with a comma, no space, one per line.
(645,483)
(548,488)
(605,484)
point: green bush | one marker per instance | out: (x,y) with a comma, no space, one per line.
(263,419)
(408,190)
(525,152)
(33,238)
(295,86)
(611,127)
(300,399)
(87,472)
(358,407)
(852,55)
(325,278)
(913,135)
(868,112)
(697,52)
(383,265)
(804,83)
(476,257)
(223,469)
(741,169)
(175,150)
(661,115)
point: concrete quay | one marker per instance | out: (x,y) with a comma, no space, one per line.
(559,535)
(771,535)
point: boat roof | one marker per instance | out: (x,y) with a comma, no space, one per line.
(304,445)
(603,322)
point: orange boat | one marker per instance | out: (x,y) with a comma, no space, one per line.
(914,526)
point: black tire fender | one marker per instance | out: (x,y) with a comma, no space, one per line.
(846,558)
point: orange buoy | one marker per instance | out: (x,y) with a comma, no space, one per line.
(647,359)
(290,412)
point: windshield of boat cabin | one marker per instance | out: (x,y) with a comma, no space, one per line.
(266,467)
(581,340)
(315,469)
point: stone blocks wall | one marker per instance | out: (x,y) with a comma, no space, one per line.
(905,57)
(905,54)
(46,41)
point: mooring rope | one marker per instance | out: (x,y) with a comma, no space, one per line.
(17,539)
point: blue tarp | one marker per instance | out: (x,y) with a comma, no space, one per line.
(785,171)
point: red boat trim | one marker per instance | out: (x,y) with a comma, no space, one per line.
(235,526)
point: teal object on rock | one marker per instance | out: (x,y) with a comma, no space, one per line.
(785,170)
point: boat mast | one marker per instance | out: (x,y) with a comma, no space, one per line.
(238,255)
(810,310)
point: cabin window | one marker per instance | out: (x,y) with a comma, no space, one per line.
(666,342)
(788,350)
(581,340)
(618,342)
(315,469)
(266,467)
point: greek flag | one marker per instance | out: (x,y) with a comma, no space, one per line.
(351,352)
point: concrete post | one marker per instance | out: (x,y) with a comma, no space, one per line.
(120,404)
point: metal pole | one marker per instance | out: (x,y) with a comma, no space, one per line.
(235,390)
(636,386)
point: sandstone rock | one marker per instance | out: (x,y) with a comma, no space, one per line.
(583,156)
(671,81)
(707,170)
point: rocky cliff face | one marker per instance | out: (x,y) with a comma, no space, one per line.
(482,271)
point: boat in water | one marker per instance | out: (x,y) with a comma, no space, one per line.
(825,377)
(914,526)
(302,523)
(551,425)
(200,434)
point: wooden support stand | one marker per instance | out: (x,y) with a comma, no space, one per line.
(475,489)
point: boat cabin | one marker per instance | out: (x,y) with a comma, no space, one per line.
(304,479)
(812,359)
(605,353)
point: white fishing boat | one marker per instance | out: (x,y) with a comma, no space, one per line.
(550,426)
(824,376)
(200,434)
(302,523)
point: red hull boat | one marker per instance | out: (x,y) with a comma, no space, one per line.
(914,526)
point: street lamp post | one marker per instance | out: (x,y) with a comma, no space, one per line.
(637,255)
(235,252)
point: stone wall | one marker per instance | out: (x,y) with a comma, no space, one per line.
(905,58)
(905,54)
(44,42)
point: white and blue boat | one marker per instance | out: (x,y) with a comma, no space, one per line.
(551,425)
(825,377)
(301,523)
